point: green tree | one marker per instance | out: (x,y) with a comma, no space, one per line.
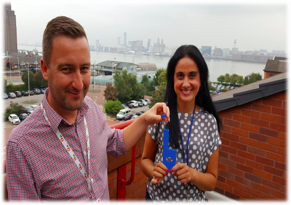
(235,79)
(138,91)
(210,87)
(13,108)
(251,78)
(40,81)
(221,79)
(149,85)
(113,107)
(32,80)
(4,83)
(162,79)
(159,94)
(155,79)
(124,88)
(110,92)
(227,78)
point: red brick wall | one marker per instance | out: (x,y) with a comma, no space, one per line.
(253,155)
(136,190)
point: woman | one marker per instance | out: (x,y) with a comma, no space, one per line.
(193,132)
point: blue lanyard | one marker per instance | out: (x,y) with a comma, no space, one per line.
(189,134)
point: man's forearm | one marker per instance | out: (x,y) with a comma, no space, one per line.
(133,132)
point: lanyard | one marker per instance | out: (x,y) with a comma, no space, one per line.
(71,153)
(189,134)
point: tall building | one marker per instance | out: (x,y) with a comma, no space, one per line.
(159,47)
(10,31)
(206,50)
(149,44)
(125,39)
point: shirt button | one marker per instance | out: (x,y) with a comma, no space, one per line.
(92,180)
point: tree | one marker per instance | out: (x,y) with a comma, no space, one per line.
(159,94)
(40,81)
(155,79)
(226,78)
(13,108)
(221,79)
(124,88)
(113,107)
(149,85)
(32,81)
(251,78)
(4,82)
(138,91)
(110,92)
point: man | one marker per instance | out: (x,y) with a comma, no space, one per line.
(60,151)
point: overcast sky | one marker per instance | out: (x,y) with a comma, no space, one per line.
(254,25)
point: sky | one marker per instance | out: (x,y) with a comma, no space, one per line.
(254,24)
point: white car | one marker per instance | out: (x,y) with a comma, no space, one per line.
(14,119)
(33,107)
(144,102)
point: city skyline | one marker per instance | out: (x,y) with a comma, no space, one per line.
(254,26)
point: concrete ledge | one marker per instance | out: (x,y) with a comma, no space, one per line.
(215,196)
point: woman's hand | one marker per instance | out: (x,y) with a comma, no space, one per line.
(183,172)
(153,115)
(159,172)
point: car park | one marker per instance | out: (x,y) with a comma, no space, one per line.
(24,93)
(18,94)
(122,113)
(23,116)
(14,119)
(11,95)
(5,96)
(36,91)
(128,117)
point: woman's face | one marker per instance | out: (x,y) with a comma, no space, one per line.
(186,81)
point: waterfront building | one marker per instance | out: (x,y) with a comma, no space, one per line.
(206,50)
(125,39)
(217,52)
(10,31)
(159,47)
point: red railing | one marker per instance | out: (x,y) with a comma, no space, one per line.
(121,189)
(121,180)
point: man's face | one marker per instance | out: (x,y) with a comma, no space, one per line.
(69,73)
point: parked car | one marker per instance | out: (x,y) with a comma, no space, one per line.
(144,102)
(24,93)
(129,105)
(36,91)
(31,92)
(5,96)
(122,113)
(42,90)
(137,114)
(148,101)
(133,103)
(18,94)
(11,95)
(23,116)
(14,119)
(32,106)
(30,109)
(140,103)
(124,106)
(128,117)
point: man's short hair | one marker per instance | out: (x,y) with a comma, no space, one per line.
(59,26)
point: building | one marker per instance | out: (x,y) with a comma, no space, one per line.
(159,47)
(275,66)
(136,45)
(149,44)
(125,39)
(217,52)
(206,50)
(253,154)
(10,31)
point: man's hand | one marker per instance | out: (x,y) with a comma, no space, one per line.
(153,115)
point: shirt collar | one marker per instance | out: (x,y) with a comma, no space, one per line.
(55,119)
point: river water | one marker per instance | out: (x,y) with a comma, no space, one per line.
(216,67)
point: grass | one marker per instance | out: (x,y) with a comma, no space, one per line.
(30,102)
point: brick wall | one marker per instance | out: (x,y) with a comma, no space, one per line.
(253,155)
(136,190)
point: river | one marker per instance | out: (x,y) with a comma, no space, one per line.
(216,67)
